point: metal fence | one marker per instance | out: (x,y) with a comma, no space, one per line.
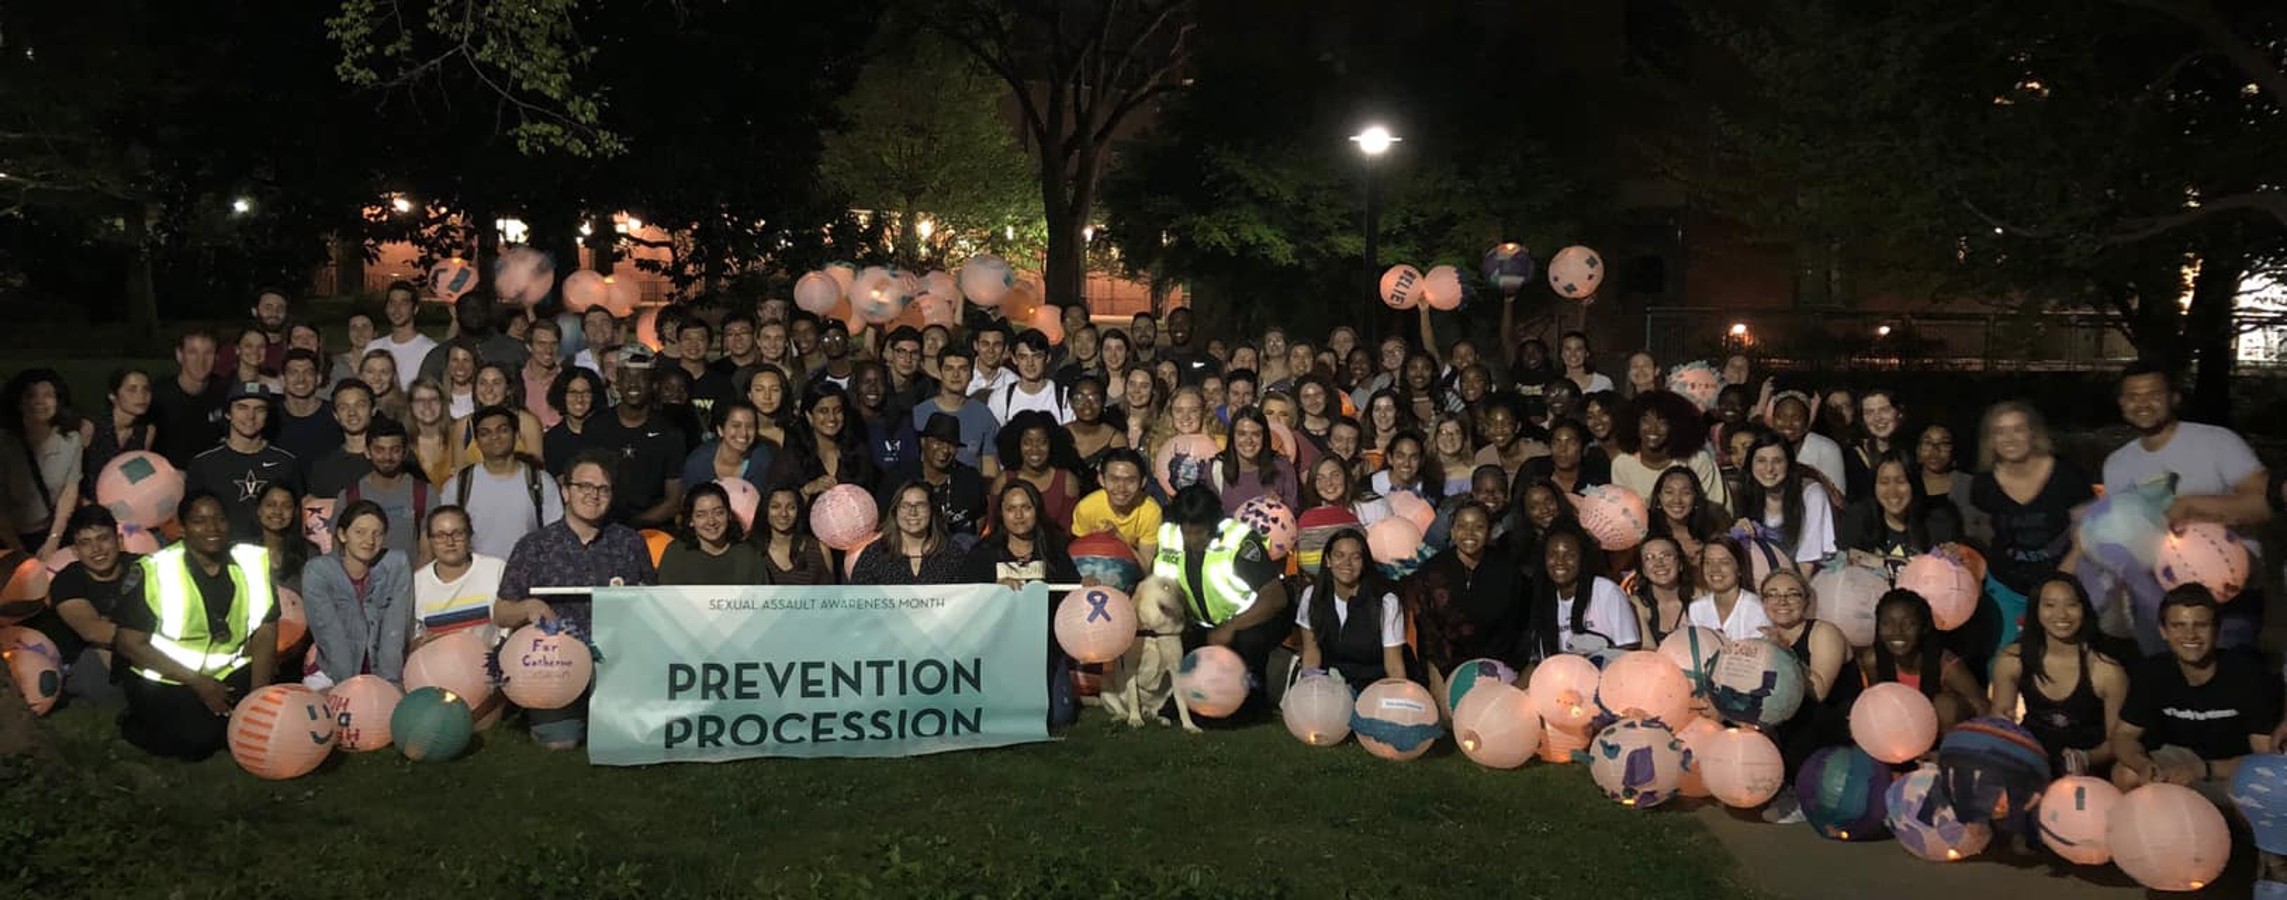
(1846,340)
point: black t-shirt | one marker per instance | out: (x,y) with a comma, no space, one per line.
(649,453)
(2029,539)
(559,444)
(2213,720)
(189,424)
(239,479)
(334,471)
(76,583)
(309,437)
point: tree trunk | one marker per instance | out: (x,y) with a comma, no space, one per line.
(2209,331)
(909,236)
(349,264)
(142,294)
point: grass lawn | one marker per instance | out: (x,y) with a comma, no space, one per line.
(1105,812)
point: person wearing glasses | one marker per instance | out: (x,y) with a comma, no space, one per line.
(455,591)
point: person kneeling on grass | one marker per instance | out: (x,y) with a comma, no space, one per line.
(197,623)
(1230,585)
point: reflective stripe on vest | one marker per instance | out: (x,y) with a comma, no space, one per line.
(1227,594)
(182,636)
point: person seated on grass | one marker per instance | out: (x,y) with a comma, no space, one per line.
(2196,710)
(1823,720)
(1906,650)
(87,595)
(1351,621)
(2059,657)
(1572,609)
(198,626)
(1230,584)
(359,600)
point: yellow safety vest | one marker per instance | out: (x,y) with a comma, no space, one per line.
(182,630)
(1227,594)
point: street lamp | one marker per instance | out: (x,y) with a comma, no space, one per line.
(1373,142)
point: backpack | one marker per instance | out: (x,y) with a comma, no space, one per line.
(531,487)
(1056,392)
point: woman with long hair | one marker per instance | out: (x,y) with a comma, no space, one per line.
(1091,431)
(1142,402)
(359,601)
(1574,610)
(1037,451)
(1643,375)
(1567,463)
(1331,484)
(1417,386)
(1682,513)
(1781,498)
(2072,694)
(459,379)
(1248,468)
(496,385)
(765,387)
(1186,414)
(1385,418)
(1452,455)
(711,547)
(379,371)
(125,426)
(1726,604)
(1352,623)
(1880,431)
(824,447)
(1117,355)
(791,553)
(279,513)
(1580,363)
(913,547)
(733,452)
(1660,588)
(428,433)
(1406,468)
(1535,509)
(1938,475)
(44,426)
(1894,521)
(1513,447)
(577,395)
(1907,650)
(1021,545)
(2032,496)
(1314,400)
(1464,599)
(253,347)
(1665,431)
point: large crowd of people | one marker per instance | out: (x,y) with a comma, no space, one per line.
(522,452)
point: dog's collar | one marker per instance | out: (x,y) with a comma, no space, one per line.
(1145,632)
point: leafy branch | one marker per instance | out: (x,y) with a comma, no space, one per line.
(527,55)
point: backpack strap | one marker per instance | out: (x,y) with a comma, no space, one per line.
(532,487)
(420,502)
(461,485)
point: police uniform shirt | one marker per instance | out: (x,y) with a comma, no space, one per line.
(1252,564)
(215,592)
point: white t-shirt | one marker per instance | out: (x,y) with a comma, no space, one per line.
(1608,615)
(440,607)
(586,359)
(1747,616)
(997,379)
(1629,471)
(1818,524)
(1822,453)
(461,405)
(1006,402)
(500,507)
(2205,459)
(409,355)
(1393,617)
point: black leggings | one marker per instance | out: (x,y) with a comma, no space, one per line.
(171,720)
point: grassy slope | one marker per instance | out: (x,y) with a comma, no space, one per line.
(1104,813)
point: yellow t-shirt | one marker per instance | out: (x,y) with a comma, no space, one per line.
(1139,528)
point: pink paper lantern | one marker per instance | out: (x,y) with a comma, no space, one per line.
(2073,815)
(1693,649)
(139,488)
(1213,680)
(2168,838)
(1496,726)
(1645,684)
(1946,584)
(850,558)
(879,295)
(1393,540)
(1395,719)
(1576,272)
(985,279)
(1402,287)
(940,283)
(539,670)
(1694,737)
(621,296)
(1637,763)
(281,731)
(1096,624)
(844,517)
(1411,507)
(454,661)
(1564,746)
(1317,710)
(318,522)
(816,293)
(585,290)
(1613,515)
(361,708)
(647,328)
(1893,723)
(1182,461)
(1563,688)
(1441,288)
(744,499)
(523,276)
(843,275)
(138,539)
(1697,381)
(1049,321)
(1741,767)
(1846,597)
(1271,518)
(2205,554)
(36,665)
(293,620)
(940,309)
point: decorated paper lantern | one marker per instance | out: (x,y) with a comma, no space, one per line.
(1106,558)
(281,731)
(882,297)
(744,500)
(1402,286)
(539,670)
(361,708)
(940,283)
(816,293)
(24,591)
(1314,528)
(939,309)
(1049,321)
(1182,461)
(1441,288)
(450,278)
(2259,789)
(2122,530)
(1468,674)
(1271,518)
(1893,723)
(35,664)
(1846,597)
(2073,815)
(621,296)
(985,279)
(1842,791)
(1615,516)
(138,540)
(1968,557)
(1564,746)
(140,488)
(293,620)
(454,661)
(1395,719)
(1496,727)
(1741,767)
(523,276)
(2205,554)
(1946,584)
(1694,737)
(431,725)
(1213,680)
(647,328)
(1096,624)
(1507,267)
(585,290)
(1693,649)
(1698,381)
(1645,684)
(1576,272)
(1411,507)
(2168,838)
(1756,682)
(843,275)
(1928,828)
(1317,710)
(1393,540)
(1563,688)
(1636,762)
(1993,770)
(844,517)
(850,558)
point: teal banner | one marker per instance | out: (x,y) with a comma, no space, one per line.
(710,674)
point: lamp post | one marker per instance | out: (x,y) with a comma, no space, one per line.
(1373,142)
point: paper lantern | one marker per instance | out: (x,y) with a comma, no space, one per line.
(539,670)
(2259,789)
(816,293)
(1468,674)
(986,278)
(621,296)
(1024,299)
(1393,540)
(1993,770)
(1928,828)
(1395,719)
(1615,516)
(1741,767)
(1317,710)
(2205,554)
(1213,681)
(1846,597)
(1563,746)
(1576,272)
(1968,557)
(1096,624)
(523,276)
(1314,528)
(940,309)
(1563,688)
(1946,584)
(139,488)
(1694,737)
(1106,558)
(1508,266)
(1496,726)
(361,708)
(939,283)
(1693,649)
(879,295)
(454,661)
(35,664)
(744,500)
(293,620)
(2072,816)
(281,731)
(1645,684)
(431,725)
(1842,792)
(318,522)
(2121,531)
(843,274)
(844,517)
(1273,520)
(2168,838)
(1637,763)
(1697,381)
(1049,321)
(1402,287)
(647,328)
(138,540)
(1441,288)
(1893,723)
(1411,507)
(1182,461)
(25,590)
(450,278)
(850,557)
(1756,682)
(585,290)
(1764,556)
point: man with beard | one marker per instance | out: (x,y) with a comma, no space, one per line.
(270,319)
(957,489)
(1143,338)
(402,495)
(237,470)
(648,487)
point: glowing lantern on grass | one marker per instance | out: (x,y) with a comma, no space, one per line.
(431,725)
(2073,815)
(1694,737)
(1402,287)
(1563,688)
(361,708)
(1395,719)
(2205,554)
(1645,684)
(1496,726)
(454,661)
(1468,674)
(1317,710)
(1615,516)
(1843,792)
(1563,746)
(1741,767)
(1213,681)
(1893,723)
(1637,763)
(140,488)
(1756,682)
(281,731)
(35,664)
(2168,838)
(1946,584)
(545,671)
(1693,649)
(1096,624)
(1576,272)
(844,517)
(1927,828)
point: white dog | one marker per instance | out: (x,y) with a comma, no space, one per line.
(1145,679)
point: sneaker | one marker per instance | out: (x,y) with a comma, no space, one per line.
(1784,809)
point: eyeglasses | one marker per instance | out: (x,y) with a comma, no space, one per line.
(1796,596)
(589,489)
(454,535)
